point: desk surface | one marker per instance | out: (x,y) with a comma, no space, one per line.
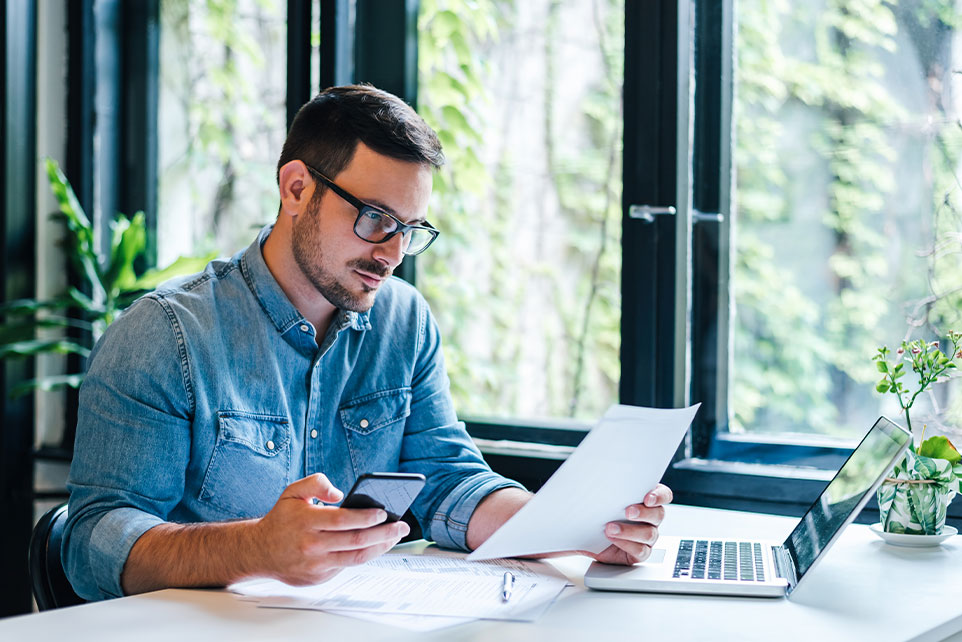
(858,592)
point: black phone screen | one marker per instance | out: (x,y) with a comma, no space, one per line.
(394,492)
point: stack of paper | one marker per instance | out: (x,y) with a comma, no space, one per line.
(420,592)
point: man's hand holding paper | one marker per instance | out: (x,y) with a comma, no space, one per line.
(632,538)
(590,505)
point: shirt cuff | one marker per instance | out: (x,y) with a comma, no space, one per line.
(110,544)
(449,526)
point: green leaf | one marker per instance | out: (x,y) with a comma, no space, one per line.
(939,447)
(883,386)
(882,366)
(183,265)
(30,306)
(47,384)
(128,243)
(13,332)
(83,255)
(42,346)
(84,302)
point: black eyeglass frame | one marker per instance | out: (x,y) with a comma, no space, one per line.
(363,207)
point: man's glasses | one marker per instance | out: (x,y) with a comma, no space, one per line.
(377,226)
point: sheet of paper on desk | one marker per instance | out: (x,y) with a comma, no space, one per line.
(616,464)
(447,588)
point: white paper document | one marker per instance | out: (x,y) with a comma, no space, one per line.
(616,464)
(395,587)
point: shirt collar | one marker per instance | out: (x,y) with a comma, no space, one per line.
(275,303)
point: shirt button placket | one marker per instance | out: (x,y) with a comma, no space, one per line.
(312,449)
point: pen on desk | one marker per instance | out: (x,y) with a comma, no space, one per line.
(506,587)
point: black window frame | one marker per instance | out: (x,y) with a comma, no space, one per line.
(18,38)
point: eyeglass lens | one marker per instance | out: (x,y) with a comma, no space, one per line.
(373,226)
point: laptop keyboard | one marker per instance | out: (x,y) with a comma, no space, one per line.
(719,560)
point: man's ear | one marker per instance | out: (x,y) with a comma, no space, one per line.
(296,187)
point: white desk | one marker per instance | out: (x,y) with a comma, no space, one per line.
(858,592)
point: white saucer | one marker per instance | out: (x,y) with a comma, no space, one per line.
(904,539)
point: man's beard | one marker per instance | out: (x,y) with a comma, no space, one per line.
(306,247)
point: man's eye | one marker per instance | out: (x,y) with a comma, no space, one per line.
(373,216)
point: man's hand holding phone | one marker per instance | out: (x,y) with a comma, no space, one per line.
(302,542)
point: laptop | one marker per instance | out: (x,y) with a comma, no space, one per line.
(708,566)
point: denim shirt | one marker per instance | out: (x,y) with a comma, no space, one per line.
(207,397)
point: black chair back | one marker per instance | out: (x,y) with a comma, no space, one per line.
(50,586)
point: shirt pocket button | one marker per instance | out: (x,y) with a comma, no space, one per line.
(270,445)
(364,423)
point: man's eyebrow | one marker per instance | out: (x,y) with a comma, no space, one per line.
(390,210)
(384,207)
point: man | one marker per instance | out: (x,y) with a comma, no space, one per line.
(222,414)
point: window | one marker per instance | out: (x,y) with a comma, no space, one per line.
(221,123)
(846,217)
(525,278)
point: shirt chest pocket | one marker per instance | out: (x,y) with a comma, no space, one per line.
(374,425)
(250,464)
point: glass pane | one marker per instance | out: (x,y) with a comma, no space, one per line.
(525,276)
(221,122)
(848,222)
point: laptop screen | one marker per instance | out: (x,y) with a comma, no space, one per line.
(845,495)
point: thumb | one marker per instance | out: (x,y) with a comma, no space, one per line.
(316,485)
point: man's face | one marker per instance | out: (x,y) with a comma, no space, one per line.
(345,269)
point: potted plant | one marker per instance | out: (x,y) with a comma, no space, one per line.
(108,284)
(915,497)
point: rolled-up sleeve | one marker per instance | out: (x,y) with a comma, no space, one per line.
(131,449)
(449,524)
(437,445)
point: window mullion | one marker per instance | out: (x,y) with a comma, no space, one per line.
(711,198)
(18,223)
(654,272)
(387,57)
(298,56)
(337,42)
(136,171)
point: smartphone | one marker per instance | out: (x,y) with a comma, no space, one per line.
(394,492)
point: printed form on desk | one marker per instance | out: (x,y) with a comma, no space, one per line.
(620,460)
(420,592)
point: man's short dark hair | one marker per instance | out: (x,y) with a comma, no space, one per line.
(326,130)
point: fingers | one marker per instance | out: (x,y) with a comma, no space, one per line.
(624,552)
(357,557)
(644,514)
(634,540)
(651,510)
(659,496)
(365,538)
(332,518)
(316,485)
(641,533)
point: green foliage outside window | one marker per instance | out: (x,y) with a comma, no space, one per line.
(823,80)
(478,287)
(221,121)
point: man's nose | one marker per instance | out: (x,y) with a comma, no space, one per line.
(390,252)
